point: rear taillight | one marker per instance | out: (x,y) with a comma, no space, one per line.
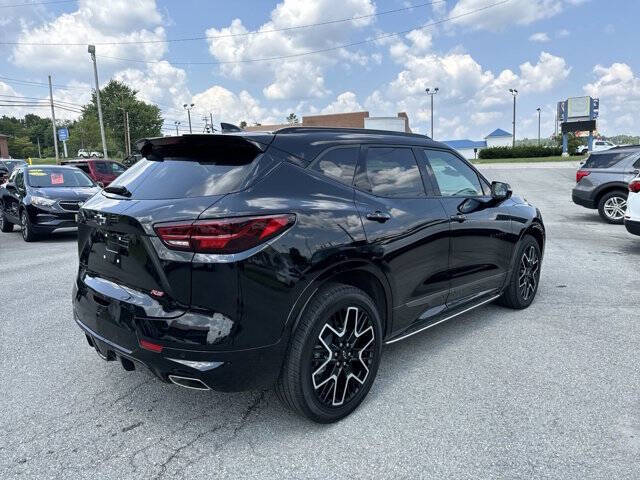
(223,235)
(580,174)
(634,186)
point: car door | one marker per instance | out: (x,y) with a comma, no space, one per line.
(407,231)
(480,227)
(13,193)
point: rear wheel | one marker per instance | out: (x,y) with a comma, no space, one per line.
(334,355)
(612,206)
(523,284)
(5,225)
(28,235)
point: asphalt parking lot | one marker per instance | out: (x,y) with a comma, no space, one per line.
(550,392)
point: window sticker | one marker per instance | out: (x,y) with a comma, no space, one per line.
(37,173)
(57,179)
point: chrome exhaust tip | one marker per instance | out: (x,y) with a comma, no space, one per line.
(188,382)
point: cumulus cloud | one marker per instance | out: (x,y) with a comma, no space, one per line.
(296,77)
(345,102)
(93,22)
(540,37)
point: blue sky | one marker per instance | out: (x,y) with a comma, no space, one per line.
(547,49)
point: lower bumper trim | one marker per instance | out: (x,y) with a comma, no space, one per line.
(632,226)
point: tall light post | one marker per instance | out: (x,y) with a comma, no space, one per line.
(539,110)
(431,92)
(514,92)
(92,52)
(177,124)
(188,108)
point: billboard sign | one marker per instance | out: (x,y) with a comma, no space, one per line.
(63,134)
(579,108)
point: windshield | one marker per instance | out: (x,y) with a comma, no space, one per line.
(11,164)
(57,177)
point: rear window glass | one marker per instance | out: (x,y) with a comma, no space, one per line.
(57,177)
(604,160)
(182,178)
(108,168)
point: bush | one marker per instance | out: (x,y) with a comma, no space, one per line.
(523,151)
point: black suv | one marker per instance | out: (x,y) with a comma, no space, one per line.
(238,261)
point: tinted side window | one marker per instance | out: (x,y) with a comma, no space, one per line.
(338,163)
(637,164)
(20,180)
(390,172)
(453,176)
(604,160)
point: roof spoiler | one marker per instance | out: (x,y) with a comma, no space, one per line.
(199,147)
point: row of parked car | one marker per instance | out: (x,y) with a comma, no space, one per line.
(44,198)
(609,181)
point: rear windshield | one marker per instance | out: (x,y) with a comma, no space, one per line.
(109,168)
(57,177)
(605,160)
(183,178)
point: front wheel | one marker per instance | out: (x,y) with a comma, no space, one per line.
(334,355)
(28,235)
(5,225)
(613,206)
(525,278)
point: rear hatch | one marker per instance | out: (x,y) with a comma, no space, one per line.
(179,178)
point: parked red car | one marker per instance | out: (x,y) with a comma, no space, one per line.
(103,172)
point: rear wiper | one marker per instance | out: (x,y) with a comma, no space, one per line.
(118,190)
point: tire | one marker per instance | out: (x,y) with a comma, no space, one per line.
(525,277)
(5,225)
(28,235)
(320,379)
(612,206)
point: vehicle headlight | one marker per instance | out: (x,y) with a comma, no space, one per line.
(42,201)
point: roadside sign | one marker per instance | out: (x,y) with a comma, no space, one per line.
(63,134)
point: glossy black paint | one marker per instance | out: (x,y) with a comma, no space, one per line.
(15,199)
(416,261)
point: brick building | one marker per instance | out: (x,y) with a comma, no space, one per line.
(345,120)
(4,146)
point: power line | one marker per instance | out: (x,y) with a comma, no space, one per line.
(38,84)
(230,35)
(313,52)
(37,3)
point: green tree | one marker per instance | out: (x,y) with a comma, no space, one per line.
(292,119)
(116,97)
(243,124)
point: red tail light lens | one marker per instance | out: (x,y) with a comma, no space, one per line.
(153,347)
(580,174)
(634,186)
(224,235)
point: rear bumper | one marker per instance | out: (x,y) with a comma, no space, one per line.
(580,198)
(118,337)
(632,226)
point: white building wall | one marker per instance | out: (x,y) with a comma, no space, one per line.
(394,124)
(499,141)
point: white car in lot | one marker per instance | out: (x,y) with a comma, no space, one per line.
(632,217)
(598,146)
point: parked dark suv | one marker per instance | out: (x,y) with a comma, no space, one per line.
(602,182)
(239,261)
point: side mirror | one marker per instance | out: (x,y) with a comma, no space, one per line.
(500,190)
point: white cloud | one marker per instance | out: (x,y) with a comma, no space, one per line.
(231,107)
(296,77)
(540,37)
(563,33)
(94,22)
(521,12)
(544,75)
(345,102)
(484,118)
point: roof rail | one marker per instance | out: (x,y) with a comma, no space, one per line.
(364,131)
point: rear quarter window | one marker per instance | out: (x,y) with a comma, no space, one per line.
(604,160)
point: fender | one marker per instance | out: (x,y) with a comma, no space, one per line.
(617,185)
(322,276)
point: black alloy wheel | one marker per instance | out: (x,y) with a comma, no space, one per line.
(523,283)
(5,225)
(334,355)
(28,235)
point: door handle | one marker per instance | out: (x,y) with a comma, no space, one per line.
(378,216)
(458,218)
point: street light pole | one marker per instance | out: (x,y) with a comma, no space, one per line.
(92,52)
(177,124)
(514,92)
(431,92)
(188,109)
(539,110)
(53,120)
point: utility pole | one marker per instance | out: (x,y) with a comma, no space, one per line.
(92,51)
(188,109)
(211,116)
(53,120)
(177,124)
(39,152)
(431,92)
(128,133)
(514,92)
(124,129)
(539,110)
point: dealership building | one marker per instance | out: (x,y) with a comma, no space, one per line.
(469,149)
(399,123)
